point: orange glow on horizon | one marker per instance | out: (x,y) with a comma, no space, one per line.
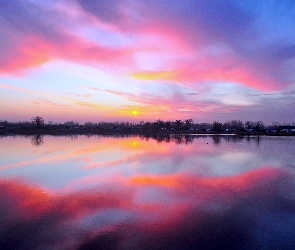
(134,112)
(155,75)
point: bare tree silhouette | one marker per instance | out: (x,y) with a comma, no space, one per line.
(38,121)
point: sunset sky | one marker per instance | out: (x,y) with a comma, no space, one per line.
(133,60)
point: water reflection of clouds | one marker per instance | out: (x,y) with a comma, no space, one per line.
(107,157)
(130,193)
(232,163)
(253,210)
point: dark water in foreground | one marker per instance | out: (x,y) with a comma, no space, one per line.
(177,192)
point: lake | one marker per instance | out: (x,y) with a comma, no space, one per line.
(147,192)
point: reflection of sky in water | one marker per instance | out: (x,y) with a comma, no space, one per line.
(133,193)
(65,162)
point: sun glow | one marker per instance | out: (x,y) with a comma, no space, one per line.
(134,112)
(134,144)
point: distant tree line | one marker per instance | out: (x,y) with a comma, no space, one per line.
(37,122)
(238,125)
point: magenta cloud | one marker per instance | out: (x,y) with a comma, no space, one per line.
(192,41)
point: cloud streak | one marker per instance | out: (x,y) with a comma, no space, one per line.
(73,100)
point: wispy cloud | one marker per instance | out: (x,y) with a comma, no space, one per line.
(49,103)
(79,95)
(72,100)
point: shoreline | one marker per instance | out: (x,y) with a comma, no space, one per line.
(14,132)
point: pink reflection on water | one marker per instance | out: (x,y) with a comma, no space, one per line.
(66,164)
(153,212)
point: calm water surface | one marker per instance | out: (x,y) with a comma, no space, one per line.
(176,192)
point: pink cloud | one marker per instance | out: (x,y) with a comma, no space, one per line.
(206,69)
(177,60)
(34,51)
(169,45)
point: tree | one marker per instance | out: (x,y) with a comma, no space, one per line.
(188,123)
(71,123)
(249,125)
(178,124)
(158,124)
(259,125)
(168,125)
(217,126)
(38,121)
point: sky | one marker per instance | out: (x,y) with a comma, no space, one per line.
(143,60)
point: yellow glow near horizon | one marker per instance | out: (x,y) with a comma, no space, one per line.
(155,75)
(134,144)
(134,112)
